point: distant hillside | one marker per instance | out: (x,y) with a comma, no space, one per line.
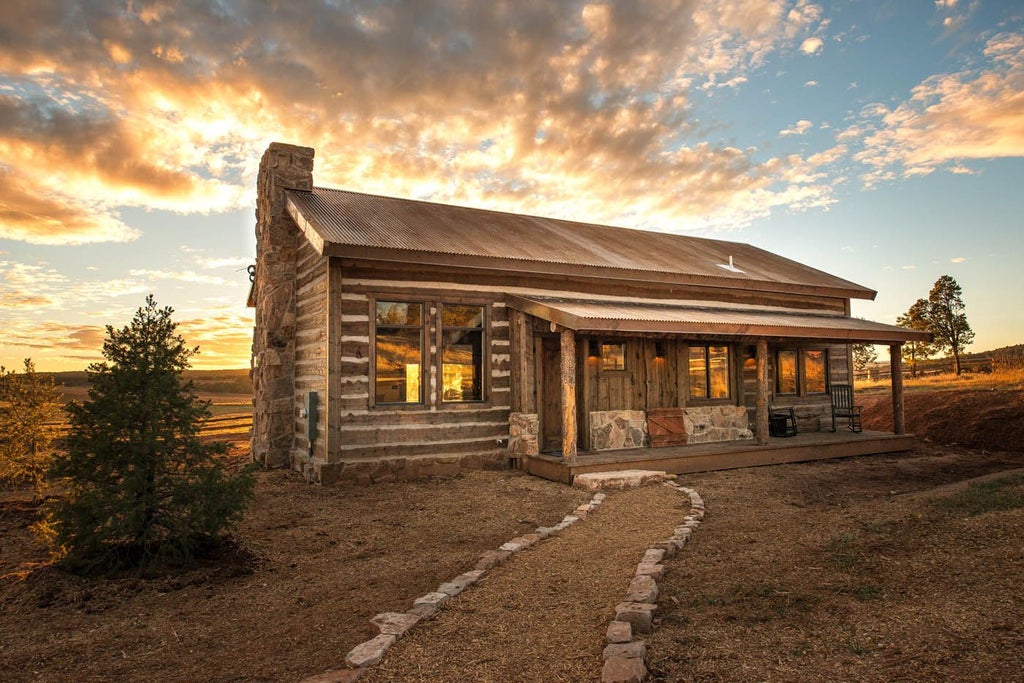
(1008,356)
(206,381)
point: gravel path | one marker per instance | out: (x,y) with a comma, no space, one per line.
(543,614)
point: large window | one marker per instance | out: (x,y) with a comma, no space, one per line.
(462,343)
(801,372)
(399,352)
(709,372)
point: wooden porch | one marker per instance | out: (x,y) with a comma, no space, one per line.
(722,455)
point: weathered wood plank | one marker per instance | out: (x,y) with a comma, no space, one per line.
(761,410)
(437,433)
(438,448)
(896,370)
(568,368)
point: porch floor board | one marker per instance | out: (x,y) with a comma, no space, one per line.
(723,455)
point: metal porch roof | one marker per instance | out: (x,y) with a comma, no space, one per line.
(343,223)
(704,321)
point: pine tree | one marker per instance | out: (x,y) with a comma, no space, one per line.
(140,485)
(916,318)
(947,320)
(30,404)
(863,356)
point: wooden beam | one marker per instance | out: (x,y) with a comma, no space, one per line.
(761,410)
(568,365)
(896,372)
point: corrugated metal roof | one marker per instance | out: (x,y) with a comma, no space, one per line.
(343,218)
(606,316)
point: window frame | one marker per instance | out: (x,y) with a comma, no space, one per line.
(796,371)
(424,327)
(801,356)
(707,399)
(485,354)
(825,370)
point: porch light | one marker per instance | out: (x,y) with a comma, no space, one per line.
(659,350)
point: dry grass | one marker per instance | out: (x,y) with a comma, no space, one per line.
(867,569)
(999,379)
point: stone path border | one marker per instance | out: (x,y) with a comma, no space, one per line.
(625,653)
(623,656)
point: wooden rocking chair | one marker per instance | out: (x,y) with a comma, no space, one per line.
(844,409)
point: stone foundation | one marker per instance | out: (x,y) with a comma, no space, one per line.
(617,429)
(709,424)
(523,430)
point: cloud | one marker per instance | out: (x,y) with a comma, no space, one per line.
(973,114)
(798,128)
(35,288)
(182,276)
(811,45)
(55,340)
(957,259)
(224,336)
(45,216)
(167,105)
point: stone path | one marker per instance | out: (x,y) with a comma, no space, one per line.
(571,608)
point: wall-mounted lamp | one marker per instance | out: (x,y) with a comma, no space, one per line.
(659,349)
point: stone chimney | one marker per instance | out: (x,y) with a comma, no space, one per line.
(283,167)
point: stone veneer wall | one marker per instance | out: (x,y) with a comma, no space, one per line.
(523,431)
(616,429)
(707,424)
(273,344)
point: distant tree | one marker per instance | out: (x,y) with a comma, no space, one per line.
(29,405)
(140,485)
(863,356)
(947,320)
(916,318)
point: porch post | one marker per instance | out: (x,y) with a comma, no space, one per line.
(761,409)
(896,373)
(568,365)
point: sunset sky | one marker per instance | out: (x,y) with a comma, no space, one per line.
(879,141)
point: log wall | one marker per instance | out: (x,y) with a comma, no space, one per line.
(371,442)
(311,357)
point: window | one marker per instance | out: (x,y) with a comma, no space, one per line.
(801,372)
(785,373)
(399,352)
(815,364)
(613,357)
(462,343)
(709,372)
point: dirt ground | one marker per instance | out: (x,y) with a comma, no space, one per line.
(836,570)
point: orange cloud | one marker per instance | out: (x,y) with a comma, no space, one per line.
(951,117)
(169,106)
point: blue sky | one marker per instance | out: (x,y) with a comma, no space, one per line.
(879,141)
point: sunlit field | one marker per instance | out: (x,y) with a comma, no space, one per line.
(998,379)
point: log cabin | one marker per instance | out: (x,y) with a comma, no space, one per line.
(399,339)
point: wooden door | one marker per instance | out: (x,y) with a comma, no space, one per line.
(549,403)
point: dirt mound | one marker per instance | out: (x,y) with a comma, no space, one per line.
(986,420)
